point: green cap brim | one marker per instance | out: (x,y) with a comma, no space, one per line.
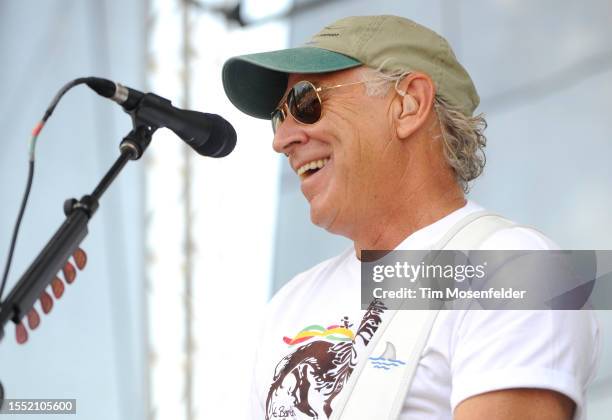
(255,83)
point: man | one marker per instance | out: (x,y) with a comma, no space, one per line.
(375,115)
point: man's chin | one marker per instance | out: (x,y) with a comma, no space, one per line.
(320,217)
(326,219)
(323,213)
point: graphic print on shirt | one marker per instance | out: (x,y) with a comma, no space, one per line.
(387,359)
(333,333)
(306,381)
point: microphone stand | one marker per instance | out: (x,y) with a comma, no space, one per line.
(70,234)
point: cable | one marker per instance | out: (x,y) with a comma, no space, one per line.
(17,225)
(32,151)
(50,110)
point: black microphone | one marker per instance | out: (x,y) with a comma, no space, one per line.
(208,134)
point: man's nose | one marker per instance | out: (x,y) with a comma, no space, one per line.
(288,135)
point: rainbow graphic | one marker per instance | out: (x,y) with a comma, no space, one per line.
(333,332)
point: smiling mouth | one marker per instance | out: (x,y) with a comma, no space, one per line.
(310,168)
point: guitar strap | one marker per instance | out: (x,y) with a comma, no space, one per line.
(378,385)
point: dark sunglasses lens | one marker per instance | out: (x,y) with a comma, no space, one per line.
(277,120)
(304,103)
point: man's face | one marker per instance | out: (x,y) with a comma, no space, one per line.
(351,139)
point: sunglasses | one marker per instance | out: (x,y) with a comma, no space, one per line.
(303,103)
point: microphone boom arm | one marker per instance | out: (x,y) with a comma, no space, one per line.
(70,234)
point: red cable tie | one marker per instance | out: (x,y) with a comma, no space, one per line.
(37,128)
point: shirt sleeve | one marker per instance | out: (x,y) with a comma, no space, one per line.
(502,349)
(495,350)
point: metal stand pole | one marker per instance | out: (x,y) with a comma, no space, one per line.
(70,234)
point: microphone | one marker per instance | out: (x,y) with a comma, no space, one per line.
(208,134)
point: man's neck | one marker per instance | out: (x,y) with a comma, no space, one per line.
(424,191)
(406,218)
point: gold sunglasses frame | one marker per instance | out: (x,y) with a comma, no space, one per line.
(283,108)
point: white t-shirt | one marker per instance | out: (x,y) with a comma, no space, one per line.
(307,348)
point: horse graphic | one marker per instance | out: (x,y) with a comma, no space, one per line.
(308,380)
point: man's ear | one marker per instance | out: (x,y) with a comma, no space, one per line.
(413,104)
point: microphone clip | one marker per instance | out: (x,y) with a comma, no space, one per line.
(136,141)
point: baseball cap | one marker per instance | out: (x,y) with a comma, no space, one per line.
(255,83)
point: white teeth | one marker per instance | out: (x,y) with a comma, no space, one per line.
(315,164)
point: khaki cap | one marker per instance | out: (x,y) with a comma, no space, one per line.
(255,83)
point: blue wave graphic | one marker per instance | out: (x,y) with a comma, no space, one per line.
(389,363)
(382,363)
(383,360)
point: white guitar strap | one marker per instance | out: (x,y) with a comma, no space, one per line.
(378,385)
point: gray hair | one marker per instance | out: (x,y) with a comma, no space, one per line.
(463,136)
